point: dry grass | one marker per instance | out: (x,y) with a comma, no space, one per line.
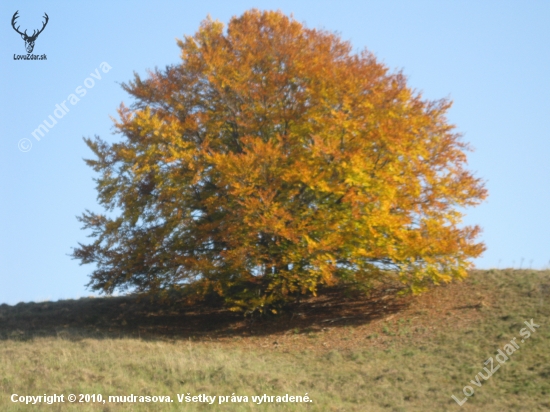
(348,354)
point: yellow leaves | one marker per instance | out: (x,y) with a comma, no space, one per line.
(272,160)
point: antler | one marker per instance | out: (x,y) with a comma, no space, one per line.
(34,33)
(15,16)
(43,26)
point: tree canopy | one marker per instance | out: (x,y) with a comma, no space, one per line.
(273,160)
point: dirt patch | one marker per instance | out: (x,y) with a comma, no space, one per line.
(332,323)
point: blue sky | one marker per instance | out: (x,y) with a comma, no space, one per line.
(492,58)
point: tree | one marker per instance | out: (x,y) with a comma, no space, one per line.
(273,160)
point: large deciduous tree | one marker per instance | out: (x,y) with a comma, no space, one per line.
(273,160)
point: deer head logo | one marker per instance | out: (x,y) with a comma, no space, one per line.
(29,40)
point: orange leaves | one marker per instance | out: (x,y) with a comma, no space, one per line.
(273,160)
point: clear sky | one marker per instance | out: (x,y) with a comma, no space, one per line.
(492,58)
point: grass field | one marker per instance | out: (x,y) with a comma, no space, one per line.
(347,354)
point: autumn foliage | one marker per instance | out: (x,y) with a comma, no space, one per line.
(273,160)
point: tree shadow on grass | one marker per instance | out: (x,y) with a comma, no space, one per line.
(141,317)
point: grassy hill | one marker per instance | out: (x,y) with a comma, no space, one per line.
(347,353)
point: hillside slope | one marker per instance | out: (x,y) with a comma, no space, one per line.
(346,353)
